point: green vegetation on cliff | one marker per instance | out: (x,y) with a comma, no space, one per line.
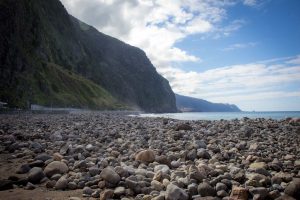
(62,88)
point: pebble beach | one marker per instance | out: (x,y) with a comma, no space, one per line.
(114,156)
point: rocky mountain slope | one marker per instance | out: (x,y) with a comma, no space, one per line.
(190,104)
(49,57)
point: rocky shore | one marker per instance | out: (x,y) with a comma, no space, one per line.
(114,156)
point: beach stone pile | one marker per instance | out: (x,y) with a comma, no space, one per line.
(114,156)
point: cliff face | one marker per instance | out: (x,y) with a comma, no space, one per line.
(37,35)
(190,104)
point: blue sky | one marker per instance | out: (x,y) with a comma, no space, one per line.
(271,30)
(245,52)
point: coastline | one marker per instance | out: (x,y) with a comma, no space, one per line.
(278,115)
(102,152)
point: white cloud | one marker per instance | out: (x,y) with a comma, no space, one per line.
(255,3)
(239,83)
(240,46)
(295,60)
(197,25)
(250,2)
(230,28)
(156,25)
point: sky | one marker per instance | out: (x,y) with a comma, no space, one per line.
(243,52)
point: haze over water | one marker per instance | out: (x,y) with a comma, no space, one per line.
(226,115)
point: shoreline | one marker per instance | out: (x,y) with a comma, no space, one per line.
(183,116)
(111,155)
(277,115)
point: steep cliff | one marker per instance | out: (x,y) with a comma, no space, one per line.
(37,35)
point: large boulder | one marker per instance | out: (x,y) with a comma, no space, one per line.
(94,171)
(6,184)
(156,185)
(163,168)
(109,175)
(204,189)
(87,191)
(163,160)
(61,184)
(147,155)
(36,174)
(259,193)
(185,127)
(239,193)
(36,147)
(195,173)
(106,194)
(119,191)
(23,169)
(56,167)
(285,197)
(43,157)
(175,193)
(293,189)
(202,153)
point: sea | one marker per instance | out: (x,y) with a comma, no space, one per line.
(225,115)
